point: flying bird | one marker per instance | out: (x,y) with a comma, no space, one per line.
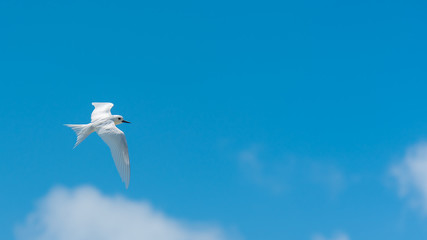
(103,123)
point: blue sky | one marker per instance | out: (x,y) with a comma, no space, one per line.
(260,119)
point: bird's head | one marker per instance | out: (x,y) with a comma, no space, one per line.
(118,119)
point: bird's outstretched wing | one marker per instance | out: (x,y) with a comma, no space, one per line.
(102,110)
(116,140)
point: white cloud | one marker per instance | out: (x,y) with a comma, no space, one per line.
(411,175)
(85,213)
(336,236)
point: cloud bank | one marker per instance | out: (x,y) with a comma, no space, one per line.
(85,213)
(411,176)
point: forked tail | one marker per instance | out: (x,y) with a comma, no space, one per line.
(82,131)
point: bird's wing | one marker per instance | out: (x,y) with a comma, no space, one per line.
(116,140)
(101,110)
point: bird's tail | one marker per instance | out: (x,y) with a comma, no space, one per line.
(82,131)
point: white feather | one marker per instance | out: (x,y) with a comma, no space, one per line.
(102,110)
(116,140)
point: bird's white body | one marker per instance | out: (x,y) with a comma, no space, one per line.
(103,123)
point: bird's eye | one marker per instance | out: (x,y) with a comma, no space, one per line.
(120,118)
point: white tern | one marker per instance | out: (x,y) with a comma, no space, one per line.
(103,123)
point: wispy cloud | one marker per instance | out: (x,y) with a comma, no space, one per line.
(256,170)
(411,176)
(335,236)
(85,213)
(330,177)
(279,173)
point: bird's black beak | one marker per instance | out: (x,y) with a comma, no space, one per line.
(125,121)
